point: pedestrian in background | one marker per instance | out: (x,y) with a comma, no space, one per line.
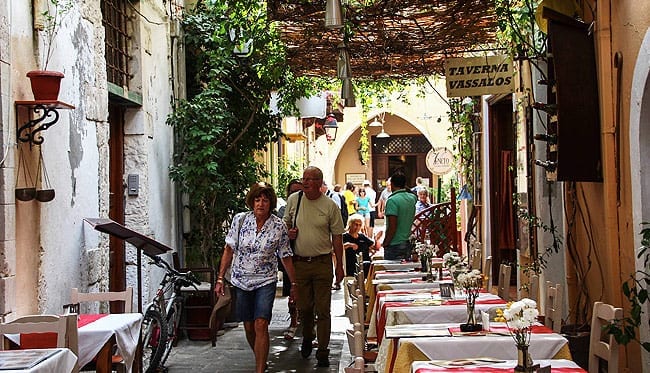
(254,242)
(370,227)
(400,210)
(315,223)
(350,197)
(381,205)
(355,242)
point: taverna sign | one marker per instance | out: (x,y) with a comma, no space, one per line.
(439,160)
(476,76)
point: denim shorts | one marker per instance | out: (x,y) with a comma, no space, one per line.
(255,304)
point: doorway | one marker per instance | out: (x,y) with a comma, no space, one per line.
(501,181)
(117,256)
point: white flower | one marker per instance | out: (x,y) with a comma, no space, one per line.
(426,250)
(520,317)
(470,280)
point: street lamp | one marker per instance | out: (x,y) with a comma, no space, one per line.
(330,128)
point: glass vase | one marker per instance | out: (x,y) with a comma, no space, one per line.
(524,360)
(471,325)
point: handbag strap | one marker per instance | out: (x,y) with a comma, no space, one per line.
(295,215)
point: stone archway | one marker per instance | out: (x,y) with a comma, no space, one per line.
(639,154)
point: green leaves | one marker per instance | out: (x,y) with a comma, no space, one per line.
(226,120)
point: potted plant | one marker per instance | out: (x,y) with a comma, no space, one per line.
(635,290)
(45,83)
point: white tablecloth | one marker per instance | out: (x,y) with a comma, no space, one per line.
(125,327)
(542,346)
(554,363)
(396,266)
(382,275)
(428,314)
(61,361)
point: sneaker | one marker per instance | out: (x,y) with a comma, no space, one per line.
(323,362)
(305,348)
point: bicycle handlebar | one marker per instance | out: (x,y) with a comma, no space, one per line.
(189,276)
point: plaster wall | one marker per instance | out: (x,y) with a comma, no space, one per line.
(54,249)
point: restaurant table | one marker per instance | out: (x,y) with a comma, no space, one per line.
(435,366)
(399,350)
(426,311)
(97,332)
(380,275)
(47,360)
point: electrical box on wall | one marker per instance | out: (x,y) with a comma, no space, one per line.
(133,184)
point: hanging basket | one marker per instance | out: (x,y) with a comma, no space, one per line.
(45,84)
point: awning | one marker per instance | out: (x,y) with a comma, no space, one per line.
(389,38)
(148,245)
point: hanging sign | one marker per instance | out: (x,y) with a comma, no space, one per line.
(476,76)
(439,160)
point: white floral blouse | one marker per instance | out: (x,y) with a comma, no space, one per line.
(255,254)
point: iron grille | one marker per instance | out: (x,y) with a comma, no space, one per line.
(401,145)
(115,21)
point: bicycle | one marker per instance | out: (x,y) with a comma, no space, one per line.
(162,316)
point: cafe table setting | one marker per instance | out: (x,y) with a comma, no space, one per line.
(44,360)
(404,344)
(96,334)
(490,365)
(426,311)
(97,330)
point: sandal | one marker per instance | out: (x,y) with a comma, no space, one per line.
(290,333)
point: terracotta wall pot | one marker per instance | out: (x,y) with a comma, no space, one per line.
(45,84)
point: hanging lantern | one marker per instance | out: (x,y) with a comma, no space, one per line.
(330,127)
(343,68)
(333,16)
(347,89)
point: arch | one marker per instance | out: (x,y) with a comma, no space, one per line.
(640,153)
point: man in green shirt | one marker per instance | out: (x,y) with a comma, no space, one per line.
(400,210)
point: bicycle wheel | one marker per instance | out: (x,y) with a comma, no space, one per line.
(173,321)
(154,339)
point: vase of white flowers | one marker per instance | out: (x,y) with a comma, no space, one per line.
(520,317)
(471,283)
(426,252)
(456,265)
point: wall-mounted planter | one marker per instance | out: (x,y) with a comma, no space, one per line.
(45,84)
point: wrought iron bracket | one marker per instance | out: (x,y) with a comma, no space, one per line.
(45,115)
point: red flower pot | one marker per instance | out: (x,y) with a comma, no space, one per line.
(45,84)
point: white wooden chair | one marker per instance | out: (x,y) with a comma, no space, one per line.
(38,324)
(487,273)
(553,307)
(504,281)
(603,347)
(125,296)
